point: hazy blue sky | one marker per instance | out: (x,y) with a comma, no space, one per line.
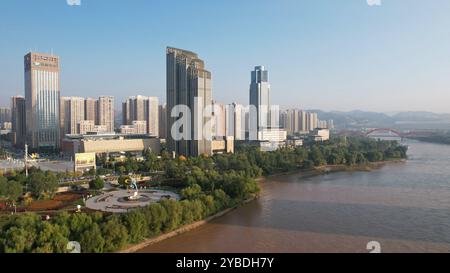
(327,54)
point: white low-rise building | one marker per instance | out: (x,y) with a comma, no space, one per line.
(320,135)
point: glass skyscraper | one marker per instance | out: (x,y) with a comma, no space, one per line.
(187,80)
(260,97)
(42,97)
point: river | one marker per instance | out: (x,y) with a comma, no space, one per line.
(405,207)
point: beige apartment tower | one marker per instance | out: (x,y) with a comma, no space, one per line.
(90,109)
(105,108)
(142,109)
(72,113)
(42,98)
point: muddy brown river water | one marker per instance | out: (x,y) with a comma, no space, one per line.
(403,206)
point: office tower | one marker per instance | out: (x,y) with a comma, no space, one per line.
(188,84)
(260,97)
(90,109)
(141,108)
(105,108)
(18,119)
(42,98)
(72,113)
(162,121)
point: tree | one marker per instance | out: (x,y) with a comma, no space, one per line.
(3,186)
(157,216)
(174,217)
(92,240)
(42,185)
(18,240)
(78,224)
(317,157)
(14,190)
(137,226)
(20,233)
(187,213)
(10,190)
(115,235)
(122,169)
(374,156)
(192,192)
(97,184)
(222,199)
(50,239)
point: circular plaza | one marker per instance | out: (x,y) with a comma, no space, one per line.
(124,200)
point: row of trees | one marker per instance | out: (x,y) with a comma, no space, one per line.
(41,185)
(98,232)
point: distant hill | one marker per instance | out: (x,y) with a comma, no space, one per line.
(404,120)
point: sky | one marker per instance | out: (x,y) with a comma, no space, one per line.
(321,54)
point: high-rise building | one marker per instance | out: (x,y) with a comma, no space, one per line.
(141,108)
(72,113)
(42,98)
(235,121)
(311,121)
(5,115)
(303,121)
(105,108)
(90,109)
(153,117)
(18,119)
(162,121)
(219,120)
(292,124)
(188,84)
(126,112)
(260,98)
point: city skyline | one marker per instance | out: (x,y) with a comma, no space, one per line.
(374,69)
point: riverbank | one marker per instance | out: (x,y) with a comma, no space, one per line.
(322,170)
(442,140)
(184,229)
(302,174)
